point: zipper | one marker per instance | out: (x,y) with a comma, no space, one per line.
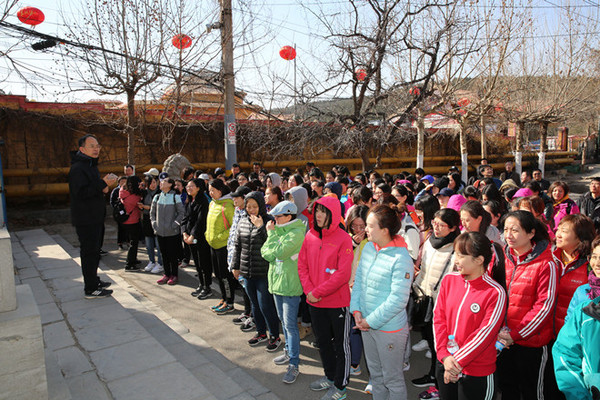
(460,308)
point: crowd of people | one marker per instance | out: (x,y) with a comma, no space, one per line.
(500,276)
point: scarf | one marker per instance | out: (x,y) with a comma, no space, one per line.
(561,200)
(594,282)
(438,243)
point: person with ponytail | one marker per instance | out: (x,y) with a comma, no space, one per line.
(471,306)
(532,279)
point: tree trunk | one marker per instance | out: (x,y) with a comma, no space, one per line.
(519,147)
(585,146)
(483,138)
(543,146)
(129,129)
(464,160)
(366,163)
(420,138)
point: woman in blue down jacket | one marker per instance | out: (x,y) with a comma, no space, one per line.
(379,296)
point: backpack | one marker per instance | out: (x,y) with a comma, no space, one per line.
(119,213)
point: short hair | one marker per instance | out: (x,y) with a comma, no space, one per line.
(534,186)
(342,180)
(584,230)
(256,163)
(386,218)
(363,194)
(450,216)
(419,171)
(220,186)
(358,211)
(128,166)
(234,165)
(81,140)
(595,179)
(472,191)
(561,184)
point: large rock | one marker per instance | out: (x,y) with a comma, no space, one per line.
(174,164)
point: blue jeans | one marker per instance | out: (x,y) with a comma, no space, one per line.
(287,309)
(263,307)
(151,244)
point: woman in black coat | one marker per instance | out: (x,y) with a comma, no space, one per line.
(193,227)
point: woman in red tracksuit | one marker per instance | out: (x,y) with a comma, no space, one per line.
(471,305)
(531,280)
(324,267)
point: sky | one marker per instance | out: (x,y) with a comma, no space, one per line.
(267,25)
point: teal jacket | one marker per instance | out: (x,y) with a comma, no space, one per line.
(576,352)
(382,285)
(580,296)
(281,251)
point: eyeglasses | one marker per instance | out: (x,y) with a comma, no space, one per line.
(439,224)
(94,146)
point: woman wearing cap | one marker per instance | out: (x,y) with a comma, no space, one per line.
(218,223)
(284,240)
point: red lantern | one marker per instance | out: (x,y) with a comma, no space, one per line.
(414,91)
(463,102)
(182,41)
(361,74)
(30,16)
(287,53)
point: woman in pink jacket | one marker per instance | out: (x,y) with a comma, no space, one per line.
(563,205)
(325,266)
(131,195)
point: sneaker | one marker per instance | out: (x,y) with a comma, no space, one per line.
(158,269)
(406,366)
(283,359)
(172,281)
(225,309)
(321,384)
(424,381)
(103,285)
(98,293)
(274,343)
(430,394)
(369,388)
(183,264)
(149,267)
(428,354)
(163,280)
(291,374)
(217,306)
(240,319)
(103,252)
(334,394)
(257,339)
(355,371)
(196,292)
(205,293)
(421,345)
(132,268)
(248,325)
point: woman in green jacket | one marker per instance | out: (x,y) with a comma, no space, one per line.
(218,222)
(284,241)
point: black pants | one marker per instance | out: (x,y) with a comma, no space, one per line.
(427,333)
(226,280)
(121,234)
(132,232)
(202,260)
(551,390)
(303,311)
(90,237)
(467,387)
(521,371)
(331,327)
(170,249)
(186,255)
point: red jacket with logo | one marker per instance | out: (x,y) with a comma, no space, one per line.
(325,260)
(531,281)
(473,311)
(570,277)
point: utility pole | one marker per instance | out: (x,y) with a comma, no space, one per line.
(230,126)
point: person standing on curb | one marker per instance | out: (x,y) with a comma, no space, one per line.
(88,210)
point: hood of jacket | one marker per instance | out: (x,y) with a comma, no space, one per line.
(336,188)
(300,196)
(260,199)
(275,178)
(334,207)
(222,199)
(78,156)
(456,201)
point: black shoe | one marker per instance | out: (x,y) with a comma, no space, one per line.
(138,262)
(132,268)
(98,293)
(103,252)
(248,325)
(424,381)
(103,285)
(205,294)
(196,292)
(239,320)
